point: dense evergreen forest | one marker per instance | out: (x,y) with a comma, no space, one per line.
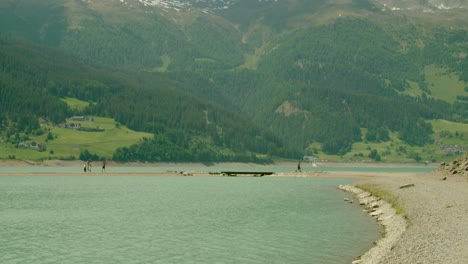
(230,87)
(185,128)
(352,72)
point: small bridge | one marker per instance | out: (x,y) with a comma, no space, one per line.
(253,173)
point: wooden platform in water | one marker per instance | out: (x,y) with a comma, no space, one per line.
(253,173)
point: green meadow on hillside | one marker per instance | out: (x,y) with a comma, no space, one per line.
(66,143)
(75,104)
(443,84)
(449,138)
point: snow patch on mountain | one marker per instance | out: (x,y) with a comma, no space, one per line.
(384,5)
(420,5)
(202,4)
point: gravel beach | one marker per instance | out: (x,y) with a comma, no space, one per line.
(436,211)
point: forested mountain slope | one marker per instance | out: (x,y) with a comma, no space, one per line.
(34,78)
(320,76)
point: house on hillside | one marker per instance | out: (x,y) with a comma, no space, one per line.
(33,145)
(71,125)
(310,159)
(82,118)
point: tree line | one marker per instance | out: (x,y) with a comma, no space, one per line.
(34,78)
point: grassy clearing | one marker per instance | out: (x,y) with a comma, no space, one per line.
(166,62)
(393,151)
(449,134)
(101,143)
(414,89)
(446,133)
(76,13)
(377,191)
(443,84)
(75,104)
(68,143)
(453,128)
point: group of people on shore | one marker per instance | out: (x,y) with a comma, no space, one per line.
(88,166)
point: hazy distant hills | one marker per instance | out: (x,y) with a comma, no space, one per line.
(325,77)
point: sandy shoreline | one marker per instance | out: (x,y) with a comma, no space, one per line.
(432,229)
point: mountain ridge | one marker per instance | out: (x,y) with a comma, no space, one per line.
(394,5)
(323,76)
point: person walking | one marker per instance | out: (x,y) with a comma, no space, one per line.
(103,166)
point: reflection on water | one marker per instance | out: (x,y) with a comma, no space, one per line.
(179,220)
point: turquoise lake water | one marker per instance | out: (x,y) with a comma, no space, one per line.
(139,219)
(119,219)
(305,168)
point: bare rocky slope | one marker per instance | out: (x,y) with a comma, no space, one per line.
(456,167)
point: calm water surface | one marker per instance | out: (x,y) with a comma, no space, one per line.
(99,219)
(305,168)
